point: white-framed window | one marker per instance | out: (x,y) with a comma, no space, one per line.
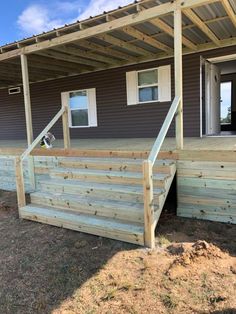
(149,85)
(82,107)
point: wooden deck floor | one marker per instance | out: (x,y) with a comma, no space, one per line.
(136,144)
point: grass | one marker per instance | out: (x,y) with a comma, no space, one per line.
(168,301)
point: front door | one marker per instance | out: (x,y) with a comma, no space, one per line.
(212,97)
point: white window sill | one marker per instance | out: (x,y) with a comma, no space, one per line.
(83,127)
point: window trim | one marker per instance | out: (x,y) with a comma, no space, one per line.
(67,93)
(14,90)
(146,86)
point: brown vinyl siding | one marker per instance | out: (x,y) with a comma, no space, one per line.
(115,118)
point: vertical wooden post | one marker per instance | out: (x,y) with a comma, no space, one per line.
(66,129)
(28,115)
(27,101)
(20,183)
(178,76)
(31,171)
(149,223)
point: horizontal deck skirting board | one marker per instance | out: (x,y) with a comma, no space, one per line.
(206,186)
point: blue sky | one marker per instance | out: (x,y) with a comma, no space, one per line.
(24,18)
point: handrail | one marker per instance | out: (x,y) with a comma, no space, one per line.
(43,133)
(150,218)
(20,185)
(164,129)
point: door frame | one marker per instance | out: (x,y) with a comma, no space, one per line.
(212,108)
(213,60)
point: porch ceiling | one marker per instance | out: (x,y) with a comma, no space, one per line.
(132,34)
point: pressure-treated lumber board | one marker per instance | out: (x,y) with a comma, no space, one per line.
(116,24)
(207,174)
(20,185)
(206,202)
(206,165)
(178,60)
(66,129)
(114,164)
(107,176)
(76,152)
(146,39)
(198,214)
(9,151)
(212,193)
(93,189)
(123,210)
(207,189)
(149,221)
(128,232)
(201,25)
(207,183)
(27,100)
(170,31)
(208,155)
(229,10)
(101,153)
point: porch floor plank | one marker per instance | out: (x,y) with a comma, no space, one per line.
(130,144)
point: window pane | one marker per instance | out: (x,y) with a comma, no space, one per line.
(226,100)
(79,117)
(79,100)
(147,77)
(148,94)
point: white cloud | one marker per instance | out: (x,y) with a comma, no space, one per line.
(96,7)
(68,7)
(36,19)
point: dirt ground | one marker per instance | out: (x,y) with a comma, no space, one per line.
(45,269)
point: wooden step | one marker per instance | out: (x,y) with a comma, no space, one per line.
(132,193)
(100,226)
(113,164)
(116,177)
(123,210)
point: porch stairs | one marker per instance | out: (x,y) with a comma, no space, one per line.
(100,196)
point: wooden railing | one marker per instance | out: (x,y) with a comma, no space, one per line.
(20,186)
(149,218)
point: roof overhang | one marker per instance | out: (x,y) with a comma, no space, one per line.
(142,31)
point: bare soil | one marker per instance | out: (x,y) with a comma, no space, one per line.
(44,269)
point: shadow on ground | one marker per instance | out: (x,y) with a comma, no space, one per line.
(41,266)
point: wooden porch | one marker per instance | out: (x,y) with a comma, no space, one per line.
(96,185)
(223,143)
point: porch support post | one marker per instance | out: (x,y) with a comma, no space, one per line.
(178,76)
(65,121)
(28,115)
(66,129)
(27,101)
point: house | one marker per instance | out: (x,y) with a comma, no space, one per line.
(152,69)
